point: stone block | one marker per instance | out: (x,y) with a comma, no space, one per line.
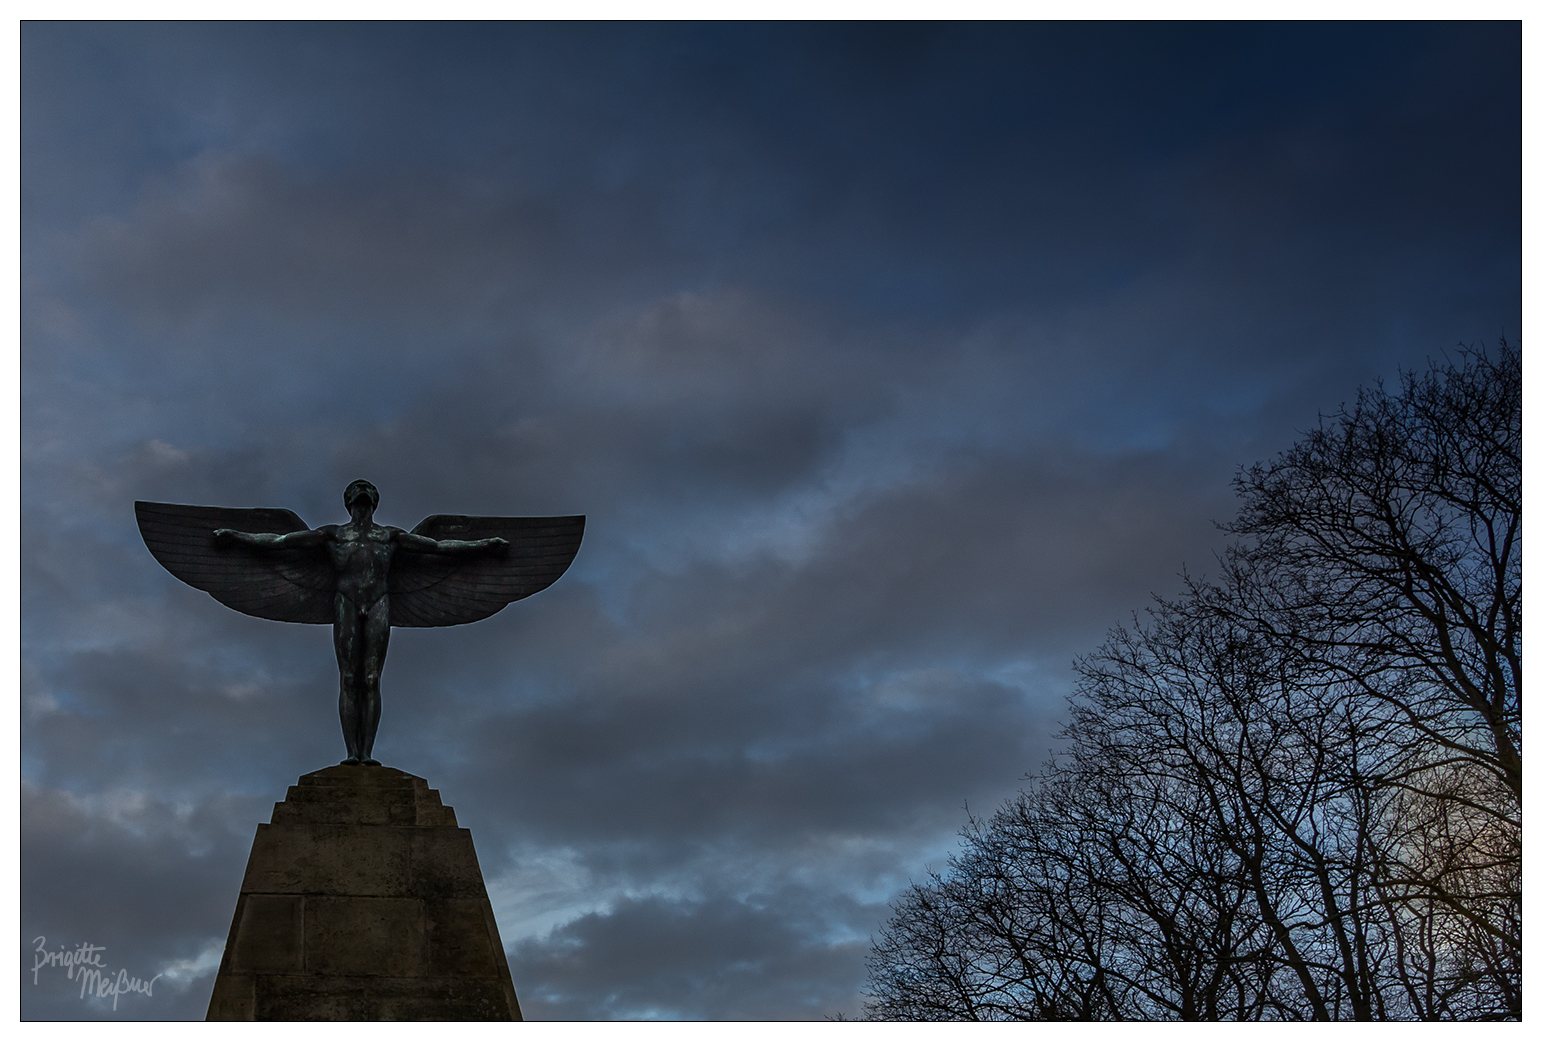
(338,814)
(458,941)
(234,998)
(325,858)
(268,934)
(349,794)
(377,998)
(441,816)
(365,936)
(444,864)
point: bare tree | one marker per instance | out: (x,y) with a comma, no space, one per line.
(1292,793)
(1386,547)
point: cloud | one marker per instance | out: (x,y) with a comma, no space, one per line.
(716,959)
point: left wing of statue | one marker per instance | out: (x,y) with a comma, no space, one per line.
(449,589)
(292,585)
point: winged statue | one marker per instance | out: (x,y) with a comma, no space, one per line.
(361,577)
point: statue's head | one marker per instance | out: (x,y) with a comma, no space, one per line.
(361,489)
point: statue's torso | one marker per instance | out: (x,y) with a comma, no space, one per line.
(362,557)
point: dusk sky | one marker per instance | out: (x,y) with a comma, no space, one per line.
(892,365)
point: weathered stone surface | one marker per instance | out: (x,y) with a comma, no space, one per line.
(324,858)
(267,937)
(363,900)
(378,998)
(451,924)
(365,936)
(235,996)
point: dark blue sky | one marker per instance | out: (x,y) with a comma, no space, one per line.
(892,365)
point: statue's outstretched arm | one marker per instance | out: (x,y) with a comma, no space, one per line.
(424,545)
(269,541)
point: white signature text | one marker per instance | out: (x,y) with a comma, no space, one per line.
(85,962)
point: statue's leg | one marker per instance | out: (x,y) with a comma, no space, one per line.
(377,635)
(348,640)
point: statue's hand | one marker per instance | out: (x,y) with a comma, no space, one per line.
(498,545)
(224,537)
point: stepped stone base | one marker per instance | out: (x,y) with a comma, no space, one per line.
(363,900)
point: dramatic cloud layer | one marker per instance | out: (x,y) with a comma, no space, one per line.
(890,364)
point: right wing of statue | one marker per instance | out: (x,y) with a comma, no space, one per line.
(292,585)
(449,589)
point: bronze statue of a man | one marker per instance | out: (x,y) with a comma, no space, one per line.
(361,554)
(362,577)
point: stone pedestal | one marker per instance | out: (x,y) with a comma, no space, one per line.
(363,901)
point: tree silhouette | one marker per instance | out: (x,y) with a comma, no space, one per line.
(1292,792)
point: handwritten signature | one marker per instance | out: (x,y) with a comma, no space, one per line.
(85,962)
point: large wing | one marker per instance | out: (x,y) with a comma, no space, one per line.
(449,589)
(292,585)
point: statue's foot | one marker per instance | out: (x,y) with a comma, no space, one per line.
(352,761)
(370,762)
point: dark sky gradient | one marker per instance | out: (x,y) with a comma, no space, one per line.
(892,364)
